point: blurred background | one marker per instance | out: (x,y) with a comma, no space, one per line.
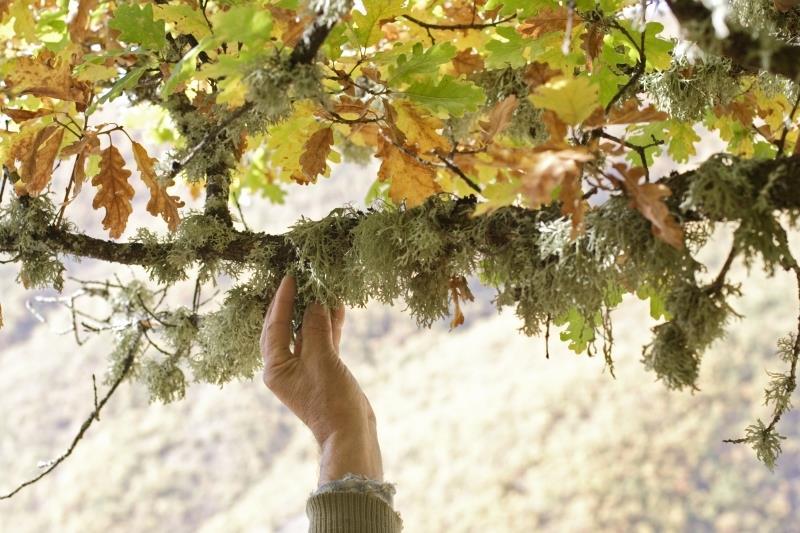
(479,431)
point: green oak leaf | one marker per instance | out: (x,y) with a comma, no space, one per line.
(420,62)
(136,24)
(449,95)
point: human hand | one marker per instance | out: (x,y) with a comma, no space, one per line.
(785,6)
(314,383)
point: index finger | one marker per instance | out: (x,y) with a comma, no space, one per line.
(277,333)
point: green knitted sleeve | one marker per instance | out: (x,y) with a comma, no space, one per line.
(351,512)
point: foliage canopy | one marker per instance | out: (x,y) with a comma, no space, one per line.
(516,141)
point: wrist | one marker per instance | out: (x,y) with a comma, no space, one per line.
(351,451)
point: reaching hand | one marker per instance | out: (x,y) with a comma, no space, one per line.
(315,384)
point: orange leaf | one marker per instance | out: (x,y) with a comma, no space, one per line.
(499,117)
(648,199)
(314,159)
(37,167)
(114,192)
(409,179)
(79,24)
(467,61)
(546,21)
(572,202)
(537,74)
(630,113)
(160,203)
(459,291)
(547,169)
(21,115)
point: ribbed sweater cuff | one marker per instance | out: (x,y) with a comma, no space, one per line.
(351,512)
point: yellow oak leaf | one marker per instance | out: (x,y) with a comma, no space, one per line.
(420,127)
(409,179)
(314,159)
(161,202)
(572,99)
(37,167)
(114,193)
(47,75)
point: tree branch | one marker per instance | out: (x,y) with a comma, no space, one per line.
(783,193)
(127,363)
(739,46)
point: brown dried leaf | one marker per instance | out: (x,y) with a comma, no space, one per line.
(499,117)
(572,203)
(314,159)
(160,203)
(37,167)
(784,6)
(546,21)
(410,180)
(21,115)
(79,24)
(467,61)
(114,192)
(459,291)
(630,113)
(544,170)
(648,199)
(537,74)
(592,42)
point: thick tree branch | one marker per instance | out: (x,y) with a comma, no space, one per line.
(740,46)
(782,175)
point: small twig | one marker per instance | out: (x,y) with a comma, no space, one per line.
(641,150)
(782,141)
(470,26)
(96,409)
(719,281)
(239,210)
(547,337)
(640,65)
(93,416)
(460,173)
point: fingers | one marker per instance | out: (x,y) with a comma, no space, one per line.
(337,321)
(277,332)
(317,329)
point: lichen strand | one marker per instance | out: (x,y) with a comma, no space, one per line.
(228,338)
(24,221)
(688,89)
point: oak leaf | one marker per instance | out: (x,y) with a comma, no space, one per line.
(459,292)
(47,75)
(648,199)
(87,145)
(546,21)
(314,159)
(544,170)
(410,180)
(22,115)
(537,74)
(37,167)
(161,203)
(419,127)
(631,113)
(572,99)
(114,192)
(79,24)
(499,117)
(467,61)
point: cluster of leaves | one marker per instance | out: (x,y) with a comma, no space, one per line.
(549,115)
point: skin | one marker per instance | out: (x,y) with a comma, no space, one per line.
(313,382)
